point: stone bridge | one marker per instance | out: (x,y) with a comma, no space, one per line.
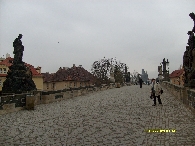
(118,116)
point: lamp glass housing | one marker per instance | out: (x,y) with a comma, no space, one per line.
(167,63)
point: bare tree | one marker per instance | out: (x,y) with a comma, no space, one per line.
(102,68)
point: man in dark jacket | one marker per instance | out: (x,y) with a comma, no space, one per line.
(140,82)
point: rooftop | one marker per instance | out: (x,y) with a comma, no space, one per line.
(69,74)
(8,62)
(176,73)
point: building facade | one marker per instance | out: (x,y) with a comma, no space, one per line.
(144,76)
(176,77)
(64,78)
(36,72)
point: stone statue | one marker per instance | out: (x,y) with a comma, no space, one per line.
(193,57)
(125,69)
(19,76)
(186,58)
(191,39)
(189,58)
(192,15)
(18,49)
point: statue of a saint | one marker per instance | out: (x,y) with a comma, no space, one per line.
(192,15)
(191,39)
(18,49)
(186,58)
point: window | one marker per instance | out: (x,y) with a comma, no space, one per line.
(74,84)
(47,85)
(1,71)
(0,83)
(70,84)
(53,86)
(4,70)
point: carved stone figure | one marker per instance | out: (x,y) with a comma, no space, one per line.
(193,57)
(186,58)
(192,15)
(189,58)
(18,49)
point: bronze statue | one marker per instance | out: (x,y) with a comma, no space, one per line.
(18,49)
(19,76)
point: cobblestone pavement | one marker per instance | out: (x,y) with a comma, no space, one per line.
(117,116)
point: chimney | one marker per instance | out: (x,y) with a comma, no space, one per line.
(1,59)
(73,65)
(7,55)
(80,65)
(38,69)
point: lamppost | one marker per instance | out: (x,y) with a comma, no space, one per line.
(165,71)
(160,73)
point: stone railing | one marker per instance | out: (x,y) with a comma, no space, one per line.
(184,94)
(16,102)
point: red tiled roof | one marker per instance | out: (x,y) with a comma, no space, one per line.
(8,62)
(176,73)
(3,75)
(70,74)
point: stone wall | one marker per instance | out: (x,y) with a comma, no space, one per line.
(16,102)
(184,94)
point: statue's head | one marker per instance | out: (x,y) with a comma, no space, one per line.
(20,36)
(189,32)
(192,15)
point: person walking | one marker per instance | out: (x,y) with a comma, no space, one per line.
(156,92)
(140,82)
(152,89)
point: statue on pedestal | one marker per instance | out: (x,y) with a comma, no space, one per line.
(19,76)
(18,49)
(189,58)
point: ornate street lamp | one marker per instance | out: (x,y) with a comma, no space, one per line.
(167,63)
(160,72)
(165,71)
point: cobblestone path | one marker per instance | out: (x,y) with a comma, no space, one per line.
(117,116)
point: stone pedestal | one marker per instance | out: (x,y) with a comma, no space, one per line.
(9,107)
(118,85)
(48,98)
(30,102)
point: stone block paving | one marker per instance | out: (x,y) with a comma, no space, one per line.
(114,117)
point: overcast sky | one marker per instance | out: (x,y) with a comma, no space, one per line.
(139,33)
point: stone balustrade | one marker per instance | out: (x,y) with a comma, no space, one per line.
(184,94)
(11,103)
